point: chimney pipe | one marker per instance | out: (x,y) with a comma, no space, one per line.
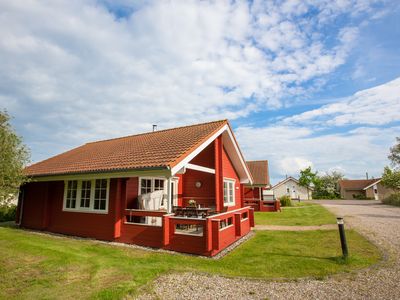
(366,174)
(154,127)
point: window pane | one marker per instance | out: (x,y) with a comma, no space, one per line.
(231,191)
(100,194)
(225,192)
(145,186)
(158,184)
(85,193)
(71,194)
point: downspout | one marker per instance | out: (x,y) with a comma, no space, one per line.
(21,196)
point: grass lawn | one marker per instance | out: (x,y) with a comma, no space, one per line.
(40,266)
(299,215)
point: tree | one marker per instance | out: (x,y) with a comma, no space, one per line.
(13,157)
(307,177)
(391,177)
(326,186)
(394,155)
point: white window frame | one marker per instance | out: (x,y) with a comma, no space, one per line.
(89,209)
(152,184)
(233,182)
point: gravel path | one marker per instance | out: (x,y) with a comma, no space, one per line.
(379,223)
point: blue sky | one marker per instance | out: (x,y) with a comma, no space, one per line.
(302,82)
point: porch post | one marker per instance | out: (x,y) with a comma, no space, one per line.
(219,180)
(169,196)
(119,206)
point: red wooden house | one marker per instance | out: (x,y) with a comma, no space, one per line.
(255,193)
(179,189)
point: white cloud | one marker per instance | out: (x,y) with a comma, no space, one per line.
(293,165)
(300,140)
(375,106)
(354,153)
(72,71)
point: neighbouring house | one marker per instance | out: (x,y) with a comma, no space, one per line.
(179,189)
(258,194)
(363,189)
(291,187)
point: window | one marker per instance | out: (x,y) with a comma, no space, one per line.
(86,195)
(71,194)
(226,222)
(229,192)
(100,194)
(145,186)
(149,185)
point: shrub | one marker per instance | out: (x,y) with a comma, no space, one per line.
(8,213)
(393,199)
(286,201)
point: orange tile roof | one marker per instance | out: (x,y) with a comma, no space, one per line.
(356,184)
(259,171)
(159,149)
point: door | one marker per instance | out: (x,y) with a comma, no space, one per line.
(375,189)
(293,192)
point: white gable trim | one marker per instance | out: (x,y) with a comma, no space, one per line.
(284,181)
(200,168)
(242,161)
(187,159)
(372,184)
(192,155)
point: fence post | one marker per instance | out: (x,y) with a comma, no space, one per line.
(251,216)
(166,229)
(215,234)
(238,224)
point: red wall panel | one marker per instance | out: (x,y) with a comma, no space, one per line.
(228,171)
(252,193)
(205,195)
(94,225)
(205,158)
(33,206)
(148,236)
(132,190)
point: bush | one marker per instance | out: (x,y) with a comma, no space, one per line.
(286,201)
(393,199)
(8,213)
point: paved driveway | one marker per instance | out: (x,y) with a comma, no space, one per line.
(380,223)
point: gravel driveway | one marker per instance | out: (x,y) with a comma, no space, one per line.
(380,223)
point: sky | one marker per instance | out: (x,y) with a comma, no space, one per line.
(303,83)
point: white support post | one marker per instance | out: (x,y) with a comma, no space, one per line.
(169,195)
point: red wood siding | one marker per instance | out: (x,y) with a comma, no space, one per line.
(143,235)
(94,225)
(228,171)
(251,193)
(205,195)
(205,158)
(32,216)
(132,190)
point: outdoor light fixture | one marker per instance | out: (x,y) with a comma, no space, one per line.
(342,234)
(198,184)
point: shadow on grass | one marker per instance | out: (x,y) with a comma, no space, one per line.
(338,259)
(8,224)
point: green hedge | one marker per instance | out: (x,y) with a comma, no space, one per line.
(286,201)
(8,213)
(393,199)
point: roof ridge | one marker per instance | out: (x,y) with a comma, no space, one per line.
(257,160)
(151,132)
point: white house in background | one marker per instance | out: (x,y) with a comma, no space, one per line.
(291,187)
